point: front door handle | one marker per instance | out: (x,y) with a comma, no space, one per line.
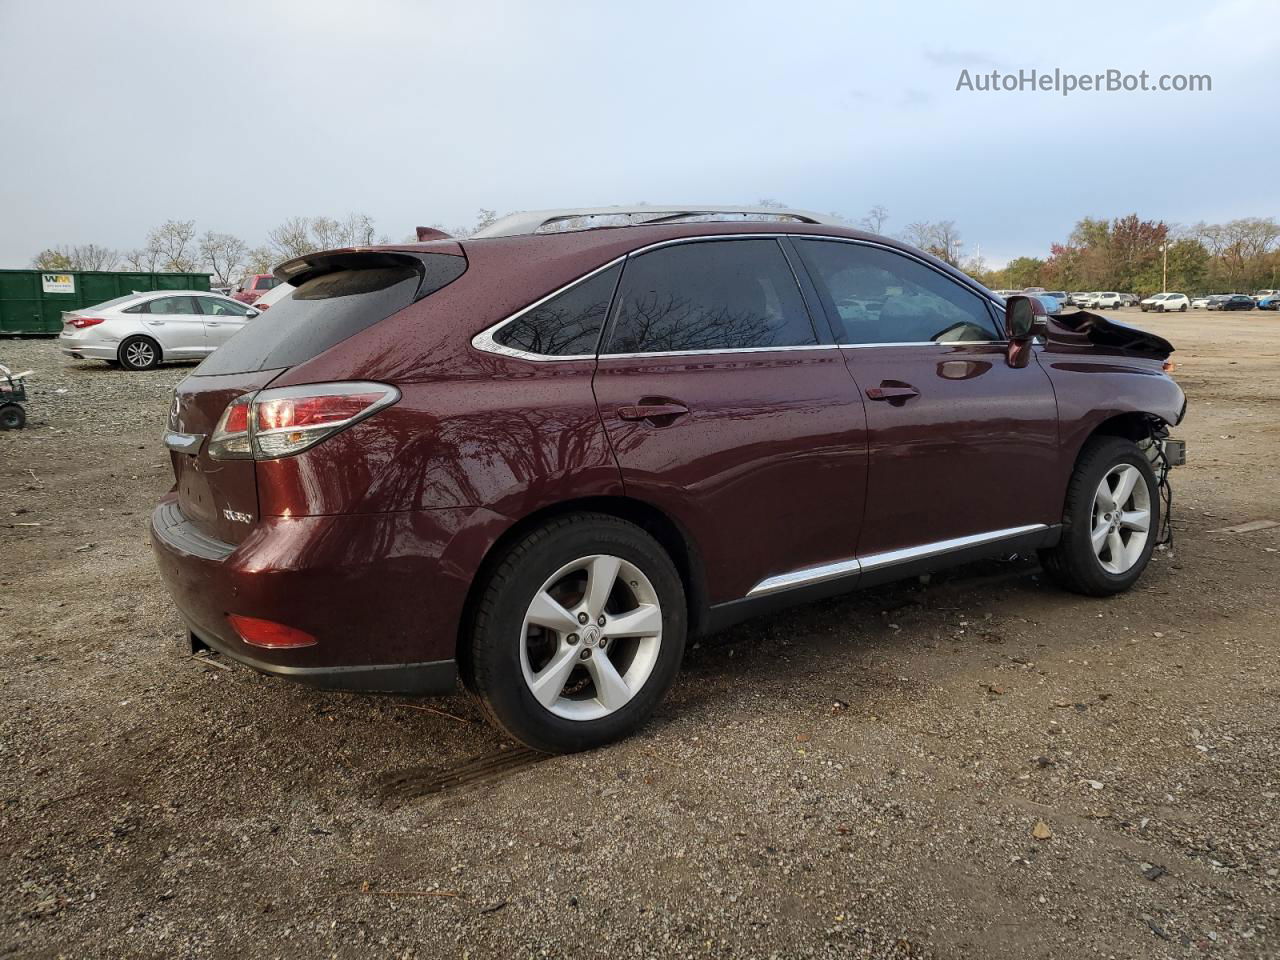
(892,391)
(652,411)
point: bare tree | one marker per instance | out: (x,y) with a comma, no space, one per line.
(224,255)
(87,256)
(176,245)
(291,239)
(875,219)
(142,259)
(357,230)
(260,260)
(942,239)
(326,233)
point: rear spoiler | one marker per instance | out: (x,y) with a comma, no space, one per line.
(436,268)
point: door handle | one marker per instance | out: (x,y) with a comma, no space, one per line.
(892,391)
(652,411)
(212,323)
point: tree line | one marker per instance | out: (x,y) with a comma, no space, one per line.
(1126,253)
(1132,255)
(177,246)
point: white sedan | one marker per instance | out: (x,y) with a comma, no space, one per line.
(141,330)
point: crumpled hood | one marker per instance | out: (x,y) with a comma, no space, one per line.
(1104,332)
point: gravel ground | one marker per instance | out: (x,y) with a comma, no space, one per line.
(980,766)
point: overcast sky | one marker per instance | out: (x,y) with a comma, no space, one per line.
(116,116)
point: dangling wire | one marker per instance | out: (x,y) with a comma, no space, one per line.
(1161,462)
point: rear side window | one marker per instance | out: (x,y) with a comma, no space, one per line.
(566,325)
(327,310)
(710,295)
(172,305)
(878,296)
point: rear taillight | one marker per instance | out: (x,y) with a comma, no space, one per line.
(80,322)
(288,420)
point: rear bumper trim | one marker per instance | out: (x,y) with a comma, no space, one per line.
(435,677)
(181,534)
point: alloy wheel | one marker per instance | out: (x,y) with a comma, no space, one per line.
(591,637)
(140,354)
(1121,518)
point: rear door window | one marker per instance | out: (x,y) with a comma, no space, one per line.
(566,325)
(172,305)
(327,310)
(710,295)
(879,296)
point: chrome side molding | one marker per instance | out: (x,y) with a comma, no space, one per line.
(878,561)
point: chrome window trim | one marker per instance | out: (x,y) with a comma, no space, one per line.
(484,339)
(808,576)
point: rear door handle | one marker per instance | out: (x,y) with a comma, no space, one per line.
(652,411)
(892,392)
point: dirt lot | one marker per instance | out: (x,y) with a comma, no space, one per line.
(1017,773)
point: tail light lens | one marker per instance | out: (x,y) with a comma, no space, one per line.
(284,421)
(80,322)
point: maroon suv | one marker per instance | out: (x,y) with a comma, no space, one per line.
(542,459)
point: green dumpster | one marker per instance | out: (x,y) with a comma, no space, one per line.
(32,301)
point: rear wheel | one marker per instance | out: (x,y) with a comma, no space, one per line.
(1110,520)
(12,417)
(578,634)
(139,353)
(1183,308)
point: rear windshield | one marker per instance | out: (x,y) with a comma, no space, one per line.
(107,304)
(265,283)
(324,311)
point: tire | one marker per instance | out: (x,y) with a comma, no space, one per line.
(1075,563)
(12,417)
(507,656)
(1183,308)
(139,353)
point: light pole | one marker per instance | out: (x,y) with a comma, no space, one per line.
(1164,269)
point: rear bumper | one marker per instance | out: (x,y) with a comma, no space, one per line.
(381,593)
(88,351)
(433,677)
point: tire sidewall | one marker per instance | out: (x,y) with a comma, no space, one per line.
(1101,461)
(12,417)
(496,670)
(123,358)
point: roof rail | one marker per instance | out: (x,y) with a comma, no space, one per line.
(520,224)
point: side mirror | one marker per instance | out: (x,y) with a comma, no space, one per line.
(251,314)
(1023,318)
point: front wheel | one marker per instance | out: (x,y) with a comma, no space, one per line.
(1110,520)
(577,635)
